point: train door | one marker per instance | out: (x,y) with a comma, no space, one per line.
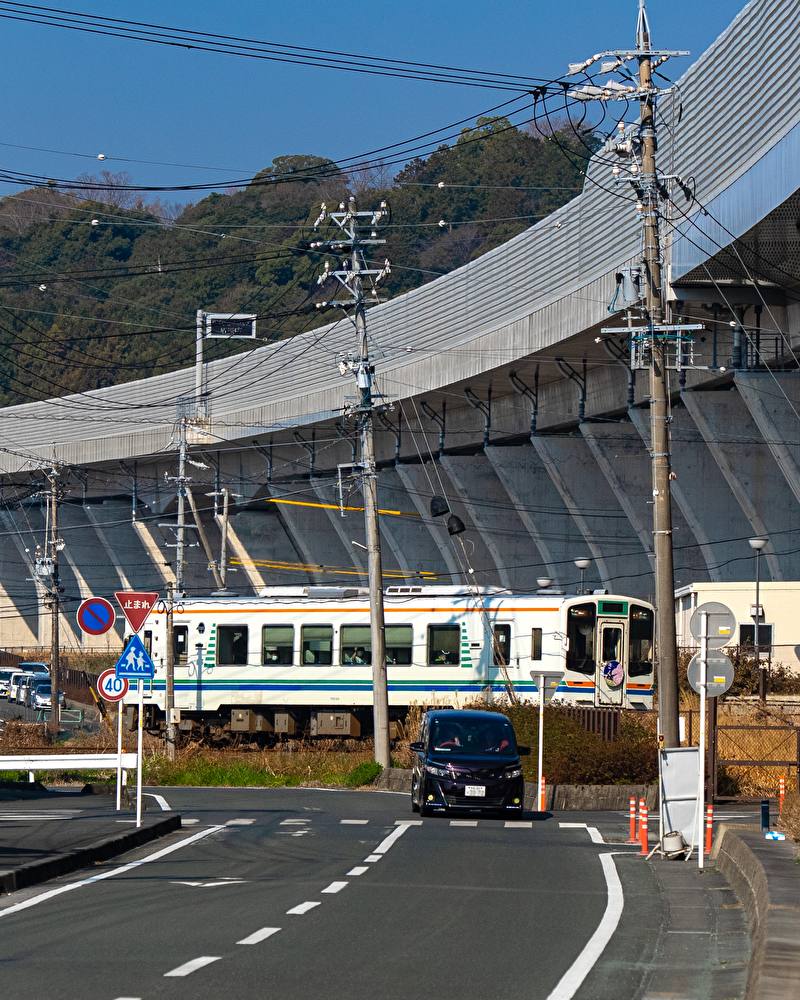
(612,663)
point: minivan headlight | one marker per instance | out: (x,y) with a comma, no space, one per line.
(515,772)
(440,772)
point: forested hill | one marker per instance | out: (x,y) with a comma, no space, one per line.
(103,291)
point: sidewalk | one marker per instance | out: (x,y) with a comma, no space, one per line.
(46,833)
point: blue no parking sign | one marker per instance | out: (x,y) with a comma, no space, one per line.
(96,616)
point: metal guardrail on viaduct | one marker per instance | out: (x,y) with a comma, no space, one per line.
(489,369)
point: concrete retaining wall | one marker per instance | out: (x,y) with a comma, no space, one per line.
(766,879)
(588,798)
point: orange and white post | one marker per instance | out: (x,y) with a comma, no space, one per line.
(709,828)
(632,838)
(541,794)
(782,793)
(643,827)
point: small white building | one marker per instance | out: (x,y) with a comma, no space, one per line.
(779,625)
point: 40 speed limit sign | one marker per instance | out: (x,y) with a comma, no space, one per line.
(110,687)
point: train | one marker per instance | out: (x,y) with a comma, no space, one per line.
(296,661)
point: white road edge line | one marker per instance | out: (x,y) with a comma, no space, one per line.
(594,833)
(115,871)
(257,936)
(163,805)
(396,834)
(571,980)
(193,966)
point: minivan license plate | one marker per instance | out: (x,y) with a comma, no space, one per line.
(478,791)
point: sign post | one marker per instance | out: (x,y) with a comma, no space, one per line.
(713,624)
(113,688)
(135,663)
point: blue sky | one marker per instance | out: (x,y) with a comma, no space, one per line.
(129,100)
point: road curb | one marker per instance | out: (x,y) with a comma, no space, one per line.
(101,850)
(766,880)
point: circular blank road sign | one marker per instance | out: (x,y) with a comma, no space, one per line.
(110,687)
(96,616)
(721,624)
(719,673)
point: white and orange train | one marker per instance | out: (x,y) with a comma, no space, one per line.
(296,660)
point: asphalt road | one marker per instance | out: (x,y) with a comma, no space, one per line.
(380,910)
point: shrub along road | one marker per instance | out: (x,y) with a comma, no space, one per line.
(298,892)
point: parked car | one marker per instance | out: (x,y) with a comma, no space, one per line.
(26,683)
(6,673)
(42,697)
(14,684)
(28,688)
(467,761)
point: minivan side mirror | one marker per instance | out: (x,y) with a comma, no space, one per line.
(523,751)
(417,747)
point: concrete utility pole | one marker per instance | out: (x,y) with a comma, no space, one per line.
(659,403)
(650,340)
(53,547)
(351,276)
(169,700)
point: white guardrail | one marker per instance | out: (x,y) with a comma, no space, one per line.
(69,762)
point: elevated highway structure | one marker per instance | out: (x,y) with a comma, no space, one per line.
(505,397)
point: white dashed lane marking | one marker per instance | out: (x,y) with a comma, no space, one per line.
(359,870)
(408,822)
(240,822)
(374,857)
(519,824)
(303,907)
(257,936)
(193,966)
(294,822)
(463,822)
(336,887)
(189,822)
(353,822)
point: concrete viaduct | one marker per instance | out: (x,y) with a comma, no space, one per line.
(505,398)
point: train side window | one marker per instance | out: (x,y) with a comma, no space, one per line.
(501,645)
(317,644)
(148,643)
(580,637)
(356,645)
(277,645)
(444,644)
(399,644)
(180,644)
(536,644)
(640,648)
(232,644)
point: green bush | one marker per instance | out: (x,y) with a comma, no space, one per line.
(573,756)
(364,774)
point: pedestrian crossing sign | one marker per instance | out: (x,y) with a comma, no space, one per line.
(135,662)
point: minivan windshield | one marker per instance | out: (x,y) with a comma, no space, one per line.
(474,736)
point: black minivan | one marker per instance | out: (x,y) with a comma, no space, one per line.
(467,761)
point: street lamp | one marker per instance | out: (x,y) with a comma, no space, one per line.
(583,565)
(757,544)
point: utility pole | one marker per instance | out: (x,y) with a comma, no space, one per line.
(351,275)
(169,701)
(53,546)
(649,340)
